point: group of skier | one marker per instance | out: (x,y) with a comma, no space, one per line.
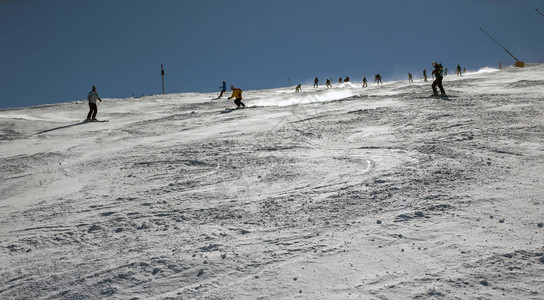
(328,83)
(236,94)
(438,73)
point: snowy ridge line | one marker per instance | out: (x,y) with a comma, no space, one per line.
(266,98)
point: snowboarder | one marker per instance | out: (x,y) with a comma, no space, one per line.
(237,95)
(223,89)
(329,85)
(346,79)
(316,80)
(378,79)
(364,82)
(425,75)
(438,73)
(93,109)
(410,77)
(298,88)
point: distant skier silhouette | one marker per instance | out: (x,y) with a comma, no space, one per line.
(237,95)
(458,71)
(316,80)
(364,82)
(298,88)
(93,108)
(340,80)
(346,79)
(438,73)
(378,79)
(223,89)
(329,85)
(425,75)
(410,77)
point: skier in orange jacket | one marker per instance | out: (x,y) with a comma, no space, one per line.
(237,95)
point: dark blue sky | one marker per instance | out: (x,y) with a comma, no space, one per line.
(54,51)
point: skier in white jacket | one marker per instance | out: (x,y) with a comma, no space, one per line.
(93,109)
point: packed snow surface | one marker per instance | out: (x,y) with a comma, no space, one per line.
(342,193)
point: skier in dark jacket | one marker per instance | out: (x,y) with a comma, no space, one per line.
(329,85)
(364,81)
(425,75)
(378,79)
(316,82)
(438,73)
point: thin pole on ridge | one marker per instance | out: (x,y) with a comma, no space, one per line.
(518,63)
(162,75)
(540,12)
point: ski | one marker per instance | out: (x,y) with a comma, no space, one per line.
(95,121)
(442,96)
(231,109)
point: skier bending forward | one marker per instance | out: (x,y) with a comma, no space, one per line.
(237,95)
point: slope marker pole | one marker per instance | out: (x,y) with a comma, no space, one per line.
(162,75)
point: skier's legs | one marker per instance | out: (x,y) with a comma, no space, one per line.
(92,110)
(89,115)
(95,111)
(435,83)
(440,85)
(238,102)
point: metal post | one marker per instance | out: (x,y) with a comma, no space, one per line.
(540,12)
(518,63)
(162,75)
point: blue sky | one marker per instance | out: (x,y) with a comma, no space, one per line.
(55,50)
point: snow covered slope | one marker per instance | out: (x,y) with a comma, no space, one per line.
(346,193)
